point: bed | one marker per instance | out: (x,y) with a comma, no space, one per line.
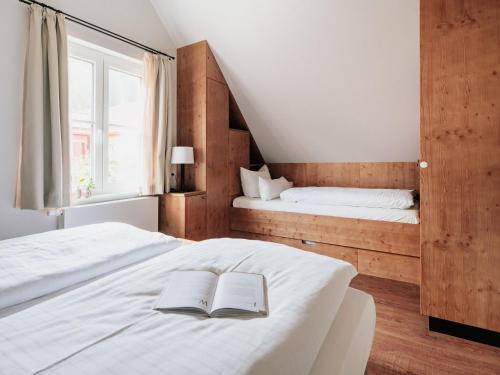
(374,228)
(106,324)
(407,216)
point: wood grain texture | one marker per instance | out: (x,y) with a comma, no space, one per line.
(382,236)
(203,122)
(172,215)
(295,172)
(403,345)
(239,156)
(460,139)
(390,175)
(183,215)
(333,174)
(340,252)
(196,217)
(389,266)
(217,151)
(191,110)
(397,175)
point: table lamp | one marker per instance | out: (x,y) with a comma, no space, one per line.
(182,155)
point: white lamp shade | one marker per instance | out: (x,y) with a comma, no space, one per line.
(182,155)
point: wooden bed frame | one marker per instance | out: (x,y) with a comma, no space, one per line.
(378,248)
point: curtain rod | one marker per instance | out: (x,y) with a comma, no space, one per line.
(102,30)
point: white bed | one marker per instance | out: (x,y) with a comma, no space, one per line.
(36,265)
(346,348)
(408,216)
(122,334)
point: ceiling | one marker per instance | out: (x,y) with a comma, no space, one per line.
(317,81)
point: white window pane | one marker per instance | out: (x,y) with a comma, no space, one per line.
(81,89)
(124,158)
(125,104)
(81,146)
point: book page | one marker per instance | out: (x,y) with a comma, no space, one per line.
(242,291)
(189,290)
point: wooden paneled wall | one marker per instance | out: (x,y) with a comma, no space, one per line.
(460,140)
(390,175)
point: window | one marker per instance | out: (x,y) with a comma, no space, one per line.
(106,114)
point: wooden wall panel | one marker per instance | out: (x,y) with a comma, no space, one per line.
(295,172)
(239,156)
(333,174)
(460,139)
(217,146)
(390,175)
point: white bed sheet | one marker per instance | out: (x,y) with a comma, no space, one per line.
(108,326)
(36,265)
(347,346)
(345,196)
(408,216)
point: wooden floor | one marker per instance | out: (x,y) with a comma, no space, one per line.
(403,344)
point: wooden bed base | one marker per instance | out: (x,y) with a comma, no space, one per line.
(377,248)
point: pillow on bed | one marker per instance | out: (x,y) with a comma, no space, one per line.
(250,180)
(270,189)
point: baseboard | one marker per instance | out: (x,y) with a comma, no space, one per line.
(464,331)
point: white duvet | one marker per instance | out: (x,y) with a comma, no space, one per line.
(109,326)
(35,265)
(357,197)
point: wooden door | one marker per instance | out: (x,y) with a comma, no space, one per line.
(217,144)
(460,140)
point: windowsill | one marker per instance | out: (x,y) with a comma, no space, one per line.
(100,198)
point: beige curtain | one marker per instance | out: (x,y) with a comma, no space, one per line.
(44,170)
(159,123)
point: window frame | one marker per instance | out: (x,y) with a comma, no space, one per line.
(103,60)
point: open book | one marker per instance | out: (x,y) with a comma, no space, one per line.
(204,292)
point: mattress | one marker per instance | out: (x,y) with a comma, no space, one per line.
(36,265)
(109,326)
(346,348)
(408,216)
(345,196)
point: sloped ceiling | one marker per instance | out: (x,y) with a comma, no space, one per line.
(317,81)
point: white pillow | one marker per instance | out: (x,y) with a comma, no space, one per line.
(250,180)
(270,189)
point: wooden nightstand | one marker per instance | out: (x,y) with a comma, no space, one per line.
(184,215)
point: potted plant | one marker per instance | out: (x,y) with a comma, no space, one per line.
(85,188)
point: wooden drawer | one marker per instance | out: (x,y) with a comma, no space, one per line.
(340,252)
(389,266)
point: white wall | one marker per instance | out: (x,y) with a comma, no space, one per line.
(317,81)
(135,19)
